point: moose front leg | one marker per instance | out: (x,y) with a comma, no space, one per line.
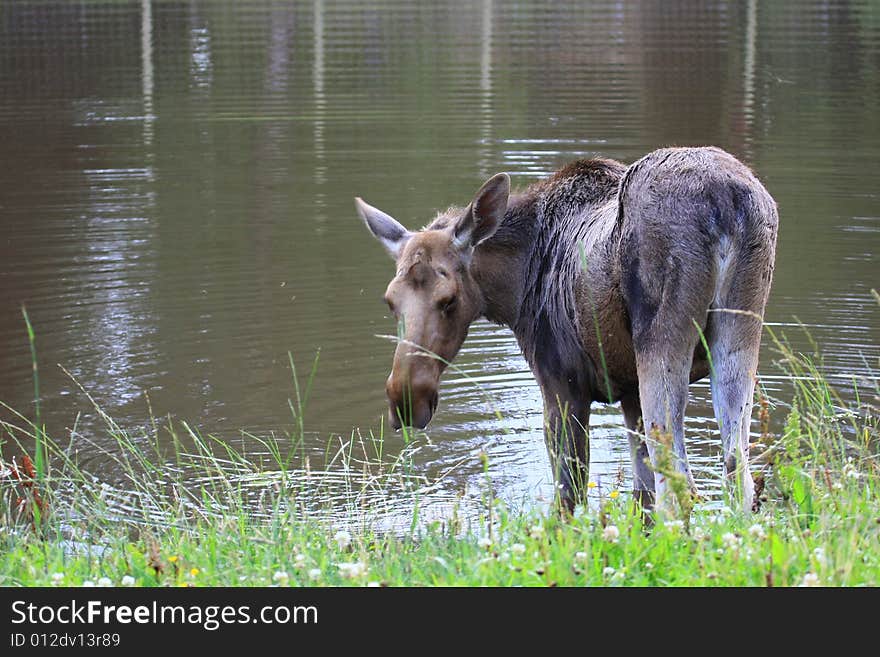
(566,425)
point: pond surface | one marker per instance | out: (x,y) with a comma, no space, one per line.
(177,183)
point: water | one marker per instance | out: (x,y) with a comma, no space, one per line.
(177,184)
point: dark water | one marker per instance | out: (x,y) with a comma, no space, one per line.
(177,182)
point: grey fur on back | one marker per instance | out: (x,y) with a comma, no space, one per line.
(678,206)
(597,230)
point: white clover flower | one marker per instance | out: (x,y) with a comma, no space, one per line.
(811,579)
(757,531)
(849,469)
(373,585)
(698,533)
(608,571)
(352,570)
(314,573)
(674,526)
(485,542)
(281,577)
(611,533)
(343,539)
(819,554)
(88,584)
(299,561)
(649,565)
(580,556)
(518,548)
(127,580)
(536,532)
(105,581)
(730,540)
(57,578)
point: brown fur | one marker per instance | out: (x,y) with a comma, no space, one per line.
(606,275)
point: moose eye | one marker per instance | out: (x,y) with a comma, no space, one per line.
(391,306)
(447,306)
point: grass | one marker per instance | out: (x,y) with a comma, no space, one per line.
(206,514)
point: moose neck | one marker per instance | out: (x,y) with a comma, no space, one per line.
(529,286)
(500,263)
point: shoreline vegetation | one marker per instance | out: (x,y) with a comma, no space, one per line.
(209,515)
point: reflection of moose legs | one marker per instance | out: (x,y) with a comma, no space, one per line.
(566,425)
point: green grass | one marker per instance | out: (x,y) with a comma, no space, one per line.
(205,514)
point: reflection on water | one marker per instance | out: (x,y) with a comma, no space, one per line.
(177,197)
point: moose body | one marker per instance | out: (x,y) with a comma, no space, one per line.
(614,280)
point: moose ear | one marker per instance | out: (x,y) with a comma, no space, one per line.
(485,212)
(384,228)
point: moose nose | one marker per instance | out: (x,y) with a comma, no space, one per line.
(411,405)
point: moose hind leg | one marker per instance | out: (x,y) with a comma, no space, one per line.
(734,349)
(642,475)
(668,298)
(663,389)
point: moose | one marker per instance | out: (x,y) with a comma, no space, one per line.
(620,284)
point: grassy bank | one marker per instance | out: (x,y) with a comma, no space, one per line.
(207,515)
